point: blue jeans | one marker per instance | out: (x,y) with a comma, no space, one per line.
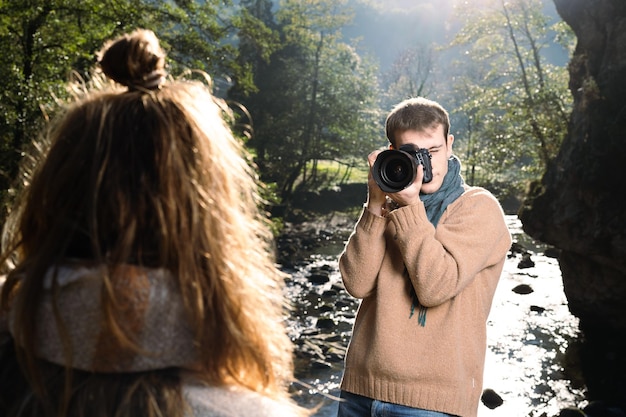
(353,405)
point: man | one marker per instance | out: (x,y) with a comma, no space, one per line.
(425,261)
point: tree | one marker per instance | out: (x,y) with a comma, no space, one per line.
(41,42)
(410,75)
(514,101)
(257,39)
(316,98)
(44,40)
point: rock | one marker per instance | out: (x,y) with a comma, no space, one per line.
(600,409)
(523,289)
(318,278)
(325,323)
(578,206)
(329,295)
(491,399)
(325,308)
(571,412)
(552,252)
(537,309)
(517,248)
(525,262)
(335,354)
(320,365)
(344,303)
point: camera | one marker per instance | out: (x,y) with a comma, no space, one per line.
(394,170)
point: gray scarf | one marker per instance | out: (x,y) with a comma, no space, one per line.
(149,306)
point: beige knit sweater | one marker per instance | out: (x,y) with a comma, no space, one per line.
(454,270)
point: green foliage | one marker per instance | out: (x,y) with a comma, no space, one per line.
(315,100)
(41,42)
(514,103)
(304,97)
(257,39)
(44,40)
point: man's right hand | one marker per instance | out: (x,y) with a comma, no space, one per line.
(376,198)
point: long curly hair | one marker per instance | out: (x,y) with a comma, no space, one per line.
(143,168)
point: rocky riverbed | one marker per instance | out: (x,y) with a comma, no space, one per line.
(530,368)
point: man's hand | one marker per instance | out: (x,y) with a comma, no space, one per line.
(411,194)
(376,198)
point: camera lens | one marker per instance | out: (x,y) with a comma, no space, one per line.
(394,170)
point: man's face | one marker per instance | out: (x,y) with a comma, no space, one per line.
(434,140)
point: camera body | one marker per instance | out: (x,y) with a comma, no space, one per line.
(394,170)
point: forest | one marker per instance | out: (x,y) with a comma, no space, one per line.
(310,103)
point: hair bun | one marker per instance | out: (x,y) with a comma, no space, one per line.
(135,60)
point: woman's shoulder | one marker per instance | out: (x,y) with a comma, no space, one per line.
(211,401)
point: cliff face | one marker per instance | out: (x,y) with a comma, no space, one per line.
(579,205)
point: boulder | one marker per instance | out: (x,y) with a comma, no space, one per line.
(578,206)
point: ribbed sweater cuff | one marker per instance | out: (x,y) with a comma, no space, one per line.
(371,223)
(409,217)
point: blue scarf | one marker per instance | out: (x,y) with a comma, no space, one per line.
(452,187)
(435,204)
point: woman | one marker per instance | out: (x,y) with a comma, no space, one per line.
(140,280)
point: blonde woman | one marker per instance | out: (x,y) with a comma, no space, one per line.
(140,280)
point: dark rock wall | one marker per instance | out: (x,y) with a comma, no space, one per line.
(579,205)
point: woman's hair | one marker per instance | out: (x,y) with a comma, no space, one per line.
(146,171)
(416,114)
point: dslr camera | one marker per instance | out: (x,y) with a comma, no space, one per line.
(394,170)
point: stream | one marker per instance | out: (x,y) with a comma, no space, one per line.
(529,328)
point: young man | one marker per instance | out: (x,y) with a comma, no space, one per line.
(425,261)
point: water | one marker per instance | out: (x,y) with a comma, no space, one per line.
(528,334)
